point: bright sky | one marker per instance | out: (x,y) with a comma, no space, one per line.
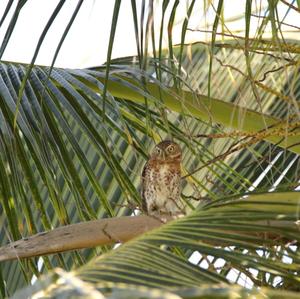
(87,41)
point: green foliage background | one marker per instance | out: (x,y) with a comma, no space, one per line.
(73,143)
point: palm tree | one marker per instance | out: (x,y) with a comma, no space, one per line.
(73,143)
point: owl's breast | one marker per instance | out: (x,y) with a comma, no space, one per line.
(166,183)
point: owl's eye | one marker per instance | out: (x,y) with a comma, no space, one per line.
(171,148)
(157,150)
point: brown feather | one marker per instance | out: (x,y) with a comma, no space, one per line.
(161,180)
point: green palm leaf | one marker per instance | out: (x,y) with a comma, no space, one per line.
(73,143)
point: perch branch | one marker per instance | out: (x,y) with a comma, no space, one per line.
(81,235)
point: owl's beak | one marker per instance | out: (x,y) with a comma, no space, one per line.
(164,155)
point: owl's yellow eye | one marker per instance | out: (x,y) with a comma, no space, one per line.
(171,148)
(157,150)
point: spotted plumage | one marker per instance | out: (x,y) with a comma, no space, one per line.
(161,180)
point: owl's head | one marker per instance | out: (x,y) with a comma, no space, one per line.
(166,151)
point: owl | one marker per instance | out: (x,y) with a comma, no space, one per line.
(161,180)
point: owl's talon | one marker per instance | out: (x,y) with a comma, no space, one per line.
(164,220)
(157,216)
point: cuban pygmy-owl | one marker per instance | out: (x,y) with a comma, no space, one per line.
(161,180)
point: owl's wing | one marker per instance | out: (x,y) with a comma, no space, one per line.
(144,186)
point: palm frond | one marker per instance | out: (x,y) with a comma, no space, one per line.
(154,260)
(73,142)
